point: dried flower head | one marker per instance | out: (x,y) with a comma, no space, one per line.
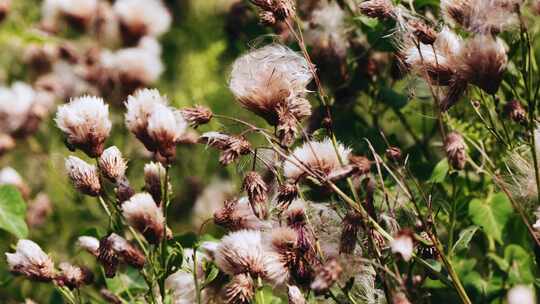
(287,193)
(183,288)
(140,107)
(139,18)
(455,149)
(112,165)
(237,214)
(482,61)
(381,9)
(283,254)
(241,252)
(231,147)
(30,260)
(349,233)
(319,157)
(211,200)
(89,243)
(327,276)
(78,13)
(240,290)
(521,294)
(512,109)
(256,190)
(434,62)
(198,115)
(142,213)
(361,164)
(85,121)
(154,176)
(481,16)
(166,127)
(73,276)
(424,33)
(403,244)
(113,249)
(84,176)
(271,82)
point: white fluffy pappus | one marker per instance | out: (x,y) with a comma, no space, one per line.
(31,261)
(142,212)
(84,176)
(16,103)
(112,164)
(317,156)
(89,243)
(85,121)
(151,15)
(268,78)
(241,252)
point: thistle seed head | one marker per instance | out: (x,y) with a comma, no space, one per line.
(29,260)
(455,149)
(112,165)
(85,121)
(142,213)
(256,190)
(84,176)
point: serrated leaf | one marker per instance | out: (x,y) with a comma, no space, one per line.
(465,237)
(439,172)
(12,211)
(491,215)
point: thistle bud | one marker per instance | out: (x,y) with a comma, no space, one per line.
(30,260)
(267,18)
(393,154)
(112,165)
(256,190)
(84,177)
(197,115)
(107,257)
(361,164)
(154,175)
(124,191)
(231,147)
(237,214)
(403,244)
(513,110)
(85,121)
(294,295)
(73,276)
(327,276)
(454,147)
(349,232)
(142,213)
(380,9)
(423,32)
(287,193)
(114,249)
(240,290)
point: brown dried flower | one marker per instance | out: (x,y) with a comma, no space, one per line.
(198,115)
(381,9)
(231,147)
(514,110)
(256,190)
(327,276)
(240,290)
(454,146)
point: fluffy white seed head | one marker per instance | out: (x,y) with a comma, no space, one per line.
(85,121)
(138,66)
(403,245)
(237,214)
(149,17)
(89,243)
(84,176)
(166,126)
(112,164)
(9,176)
(30,260)
(521,294)
(318,156)
(16,104)
(142,212)
(80,11)
(182,287)
(268,79)
(241,252)
(139,108)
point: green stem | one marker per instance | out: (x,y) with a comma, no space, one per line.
(197,289)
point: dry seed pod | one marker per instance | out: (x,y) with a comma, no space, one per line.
(256,190)
(455,149)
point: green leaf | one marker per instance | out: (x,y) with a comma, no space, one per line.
(392,98)
(465,237)
(520,263)
(129,280)
(491,215)
(439,172)
(12,212)
(367,21)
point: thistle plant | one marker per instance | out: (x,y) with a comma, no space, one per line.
(371,152)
